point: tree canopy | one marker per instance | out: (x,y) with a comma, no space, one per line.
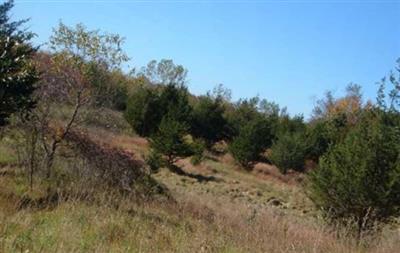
(17,72)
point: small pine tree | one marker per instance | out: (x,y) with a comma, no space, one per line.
(17,75)
(289,152)
(174,101)
(169,141)
(252,140)
(359,178)
(318,139)
(208,120)
(143,111)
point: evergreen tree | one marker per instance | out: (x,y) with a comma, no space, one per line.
(208,120)
(169,140)
(146,108)
(174,102)
(252,140)
(289,152)
(143,111)
(17,73)
(359,178)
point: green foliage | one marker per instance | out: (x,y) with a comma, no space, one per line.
(359,178)
(253,126)
(241,114)
(154,160)
(174,101)
(96,57)
(391,100)
(165,72)
(170,141)
(17,73)
(317,138)
(89,46)
(287,124)
(143,111)
(324,132)
(197,147)
(109,86)
(208,119)
(253,139)
(146,107)
(289,152)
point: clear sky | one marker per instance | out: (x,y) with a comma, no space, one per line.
(289,52)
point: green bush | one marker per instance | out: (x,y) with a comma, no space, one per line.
(359,178)
(169,141)
(252,140)
(289,152)
(197,148)
(240,114)
(318,139)
(143,112)
(155,162)
(208,120)
(146,108)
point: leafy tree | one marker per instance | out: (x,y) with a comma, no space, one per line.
(99,56)
(359,178)
(170,141)
(164,72)
(17,73)
(252,140)
(349,105)
(289,152)
(89,45)
(67,78)
(208,119)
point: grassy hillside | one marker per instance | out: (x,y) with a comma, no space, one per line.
(214,207)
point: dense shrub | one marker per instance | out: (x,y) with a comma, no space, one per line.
(359,178)
(197,147)
(174,101)
(289,152)
(318,140)
(155,161)
(147,106)
(325,132)
(143,112)
(240,114)
(208,119)
(287,124)
(169,141)
(109,87)
(253,139)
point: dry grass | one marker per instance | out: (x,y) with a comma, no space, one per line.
(228,215)
(193,224)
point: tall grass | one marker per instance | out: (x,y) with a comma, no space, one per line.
(103,220)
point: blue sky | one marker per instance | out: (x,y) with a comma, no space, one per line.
(289,52)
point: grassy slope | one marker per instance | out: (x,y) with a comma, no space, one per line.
(230,214)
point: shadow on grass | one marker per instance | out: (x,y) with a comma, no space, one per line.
(200,178)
